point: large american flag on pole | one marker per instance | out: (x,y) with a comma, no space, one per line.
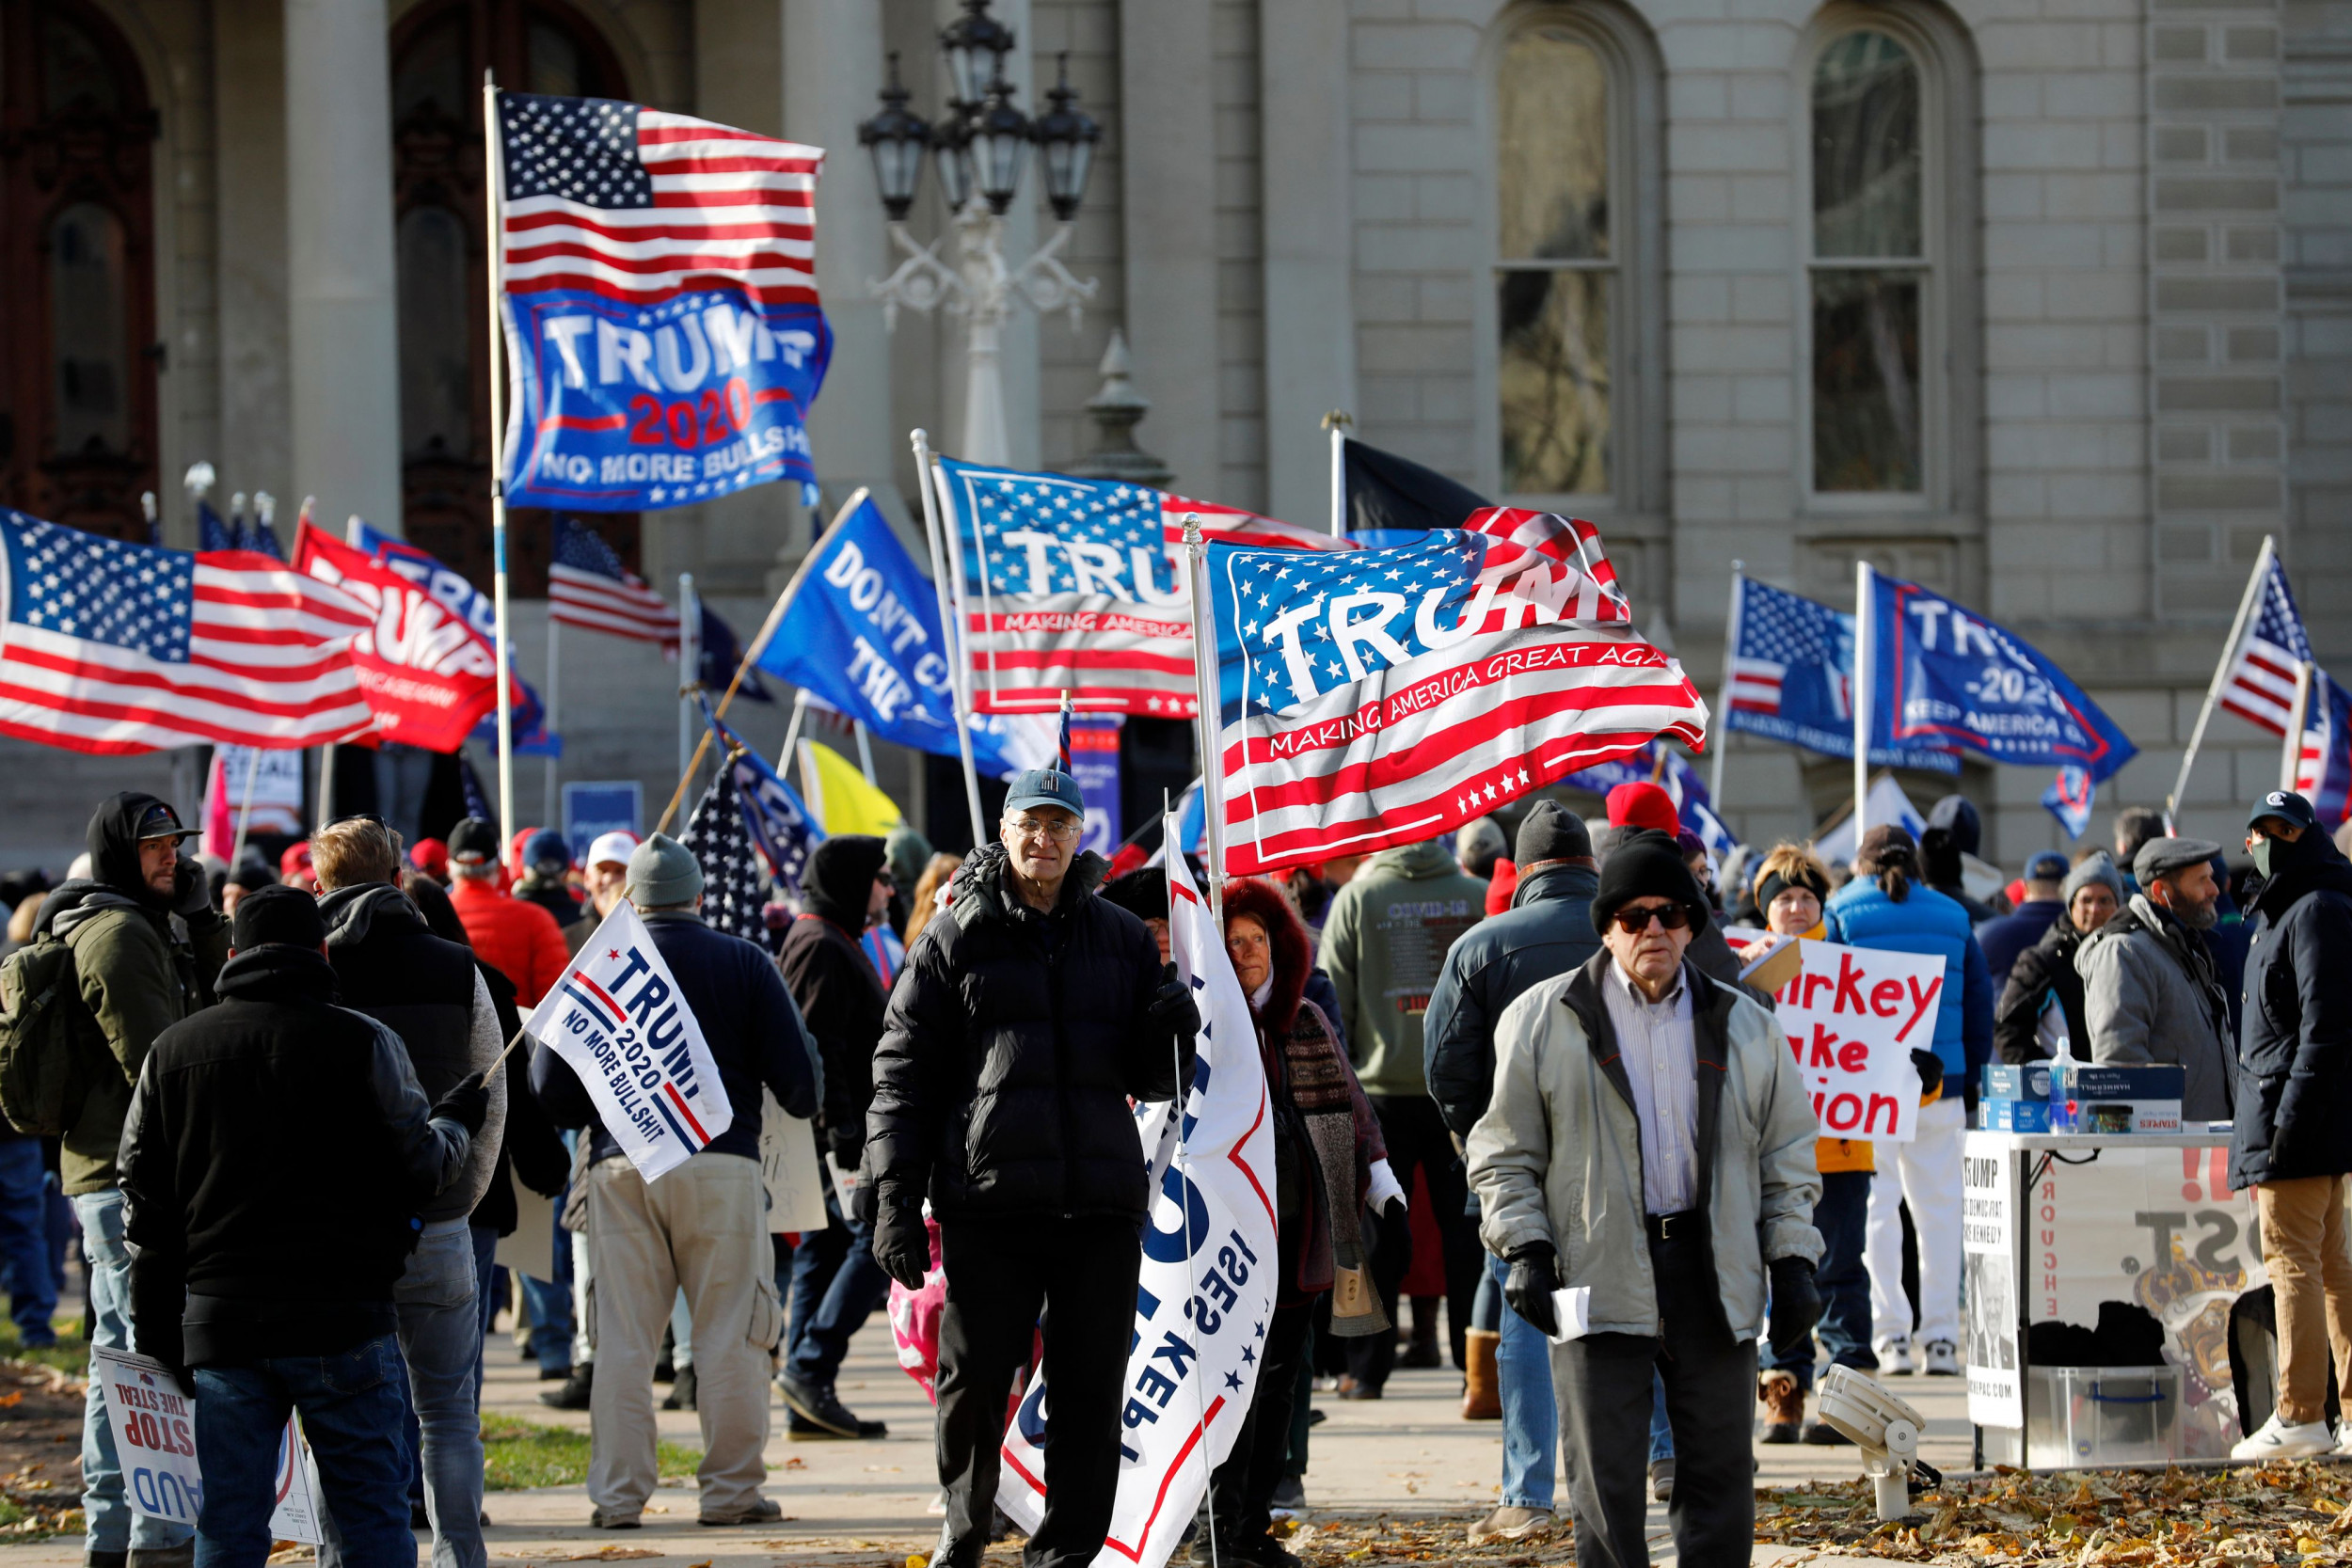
(115,647)
(1381,697)
(657,277)
(587,586)
(1791,667)
(2263,666)
(1078,586)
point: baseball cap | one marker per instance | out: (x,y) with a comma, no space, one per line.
(473,841)
(160,821)
(547,846)
(2047,866)
(2287,807)
(615,846)
(1045,786)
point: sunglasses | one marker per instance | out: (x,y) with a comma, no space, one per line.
(1633,922)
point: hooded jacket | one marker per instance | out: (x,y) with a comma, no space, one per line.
(2151,994)
(273,1157)
(1547,932)
(1953,833)
(1384,943)
(1557,1158)
(2042,971)
(2295,1047)
(1011,1044)
(142,968)
(389,966)
(840,993)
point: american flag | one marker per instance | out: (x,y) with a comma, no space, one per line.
(1385,696)
(734,891)
(587,586)
(638,205)
(1778,629)
(2323,770)
(1078,586)
(115,647)
(783,830)
(2263,666)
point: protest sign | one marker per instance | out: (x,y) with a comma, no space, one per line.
(154,1427)
(594,808)
(1094,763)
(270,780)
(788,1169)
(617,1016)
(1206,1293)
(1854,1015)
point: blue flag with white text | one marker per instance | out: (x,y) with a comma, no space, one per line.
(1792,678)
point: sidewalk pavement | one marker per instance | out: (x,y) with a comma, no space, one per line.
(1409,1455)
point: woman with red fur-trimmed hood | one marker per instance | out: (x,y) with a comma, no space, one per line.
(1326,1146)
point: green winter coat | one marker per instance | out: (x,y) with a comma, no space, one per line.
(1385,938)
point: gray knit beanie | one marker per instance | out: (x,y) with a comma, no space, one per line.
(663,873)
(2098,868)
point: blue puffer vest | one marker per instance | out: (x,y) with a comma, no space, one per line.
(1860,914)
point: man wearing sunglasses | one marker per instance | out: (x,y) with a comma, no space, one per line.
(1646,1164)
(1027,1013)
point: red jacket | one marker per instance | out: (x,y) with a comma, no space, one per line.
(519,940)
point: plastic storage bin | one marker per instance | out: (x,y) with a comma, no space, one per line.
(2099,1416)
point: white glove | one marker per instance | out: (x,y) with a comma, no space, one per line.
(1383,1186)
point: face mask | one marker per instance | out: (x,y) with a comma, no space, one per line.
(2262,852)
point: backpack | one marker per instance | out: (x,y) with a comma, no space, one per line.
(50,1044)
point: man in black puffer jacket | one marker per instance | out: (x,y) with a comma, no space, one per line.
(1026,1014)
(836,1284)
(2294,1104)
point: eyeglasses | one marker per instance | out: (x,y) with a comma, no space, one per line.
(1029,827)
(1633,922)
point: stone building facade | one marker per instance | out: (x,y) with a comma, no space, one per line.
(2044,303)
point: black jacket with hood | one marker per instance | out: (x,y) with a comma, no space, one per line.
(1953,833)
(830,977)
(273,1156)
(1547,931)
(2294,1044)
(2045,967)
(1013,1041)
(142,968)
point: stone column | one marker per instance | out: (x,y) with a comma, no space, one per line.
(341,305)
(1310,317)
(1165,57)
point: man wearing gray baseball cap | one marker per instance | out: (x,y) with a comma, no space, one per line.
(2151,989)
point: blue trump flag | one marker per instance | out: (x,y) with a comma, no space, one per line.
(859,631)
(1792,678)
(2069,798)
(658,288)
(1944,677)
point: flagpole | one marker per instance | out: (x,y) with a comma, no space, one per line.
(2291,750)
(959,684)
(1337,422)
(1204,673)
(244,809)
(549,721)
(2220,674)
(865,749)
(689,651)
(1865,678)
(1721,736)
(492,189)
(792,733)
(327,783)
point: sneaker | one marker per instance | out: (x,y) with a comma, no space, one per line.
(1784,1409)
(1820,1434)
(1943,1358)
(98,1557)
(1264,1552)
(1351,1389)
(1894,1356)
(554,1374)
(2276,1439)
(1421,1356)
(1290,1499)
(759,1511)
(817,1405)
(1662,1479)
(681,1396)
(800,1429)
(182,1556)
(576,1389)
(1509,1523)
(599,1519)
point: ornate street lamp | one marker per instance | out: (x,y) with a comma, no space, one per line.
(896,138)
(975,45)
(1065,136)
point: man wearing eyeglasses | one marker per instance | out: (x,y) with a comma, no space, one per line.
(1027,1013)
(1646,1164)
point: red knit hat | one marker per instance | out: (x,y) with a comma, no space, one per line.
(1643,805)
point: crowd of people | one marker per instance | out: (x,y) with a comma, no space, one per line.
(1515,1081)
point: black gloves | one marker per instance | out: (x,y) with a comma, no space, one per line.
(1930,1068)
(902,1243)
(191,889)
(1535,1275)
(466,1103)
(1796,1308)
(1173,1009)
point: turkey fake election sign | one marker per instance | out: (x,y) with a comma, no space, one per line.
(1854,1015)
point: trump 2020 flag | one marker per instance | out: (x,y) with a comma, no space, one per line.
(1077,587)
(658,280)
(617,1020)
(1382,697)
(1206,1294)
(1947,678)
(1792,678)
(2069,798)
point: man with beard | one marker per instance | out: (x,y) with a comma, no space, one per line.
(2151,992)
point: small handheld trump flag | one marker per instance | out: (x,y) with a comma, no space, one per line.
(617,1016)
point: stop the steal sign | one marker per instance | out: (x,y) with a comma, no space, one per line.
(1854,1015)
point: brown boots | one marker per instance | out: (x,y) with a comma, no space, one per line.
(1784,1407)
(1482,1398)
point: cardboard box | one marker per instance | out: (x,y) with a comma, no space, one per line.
(2111,1101)
(2023,1080)
(2014,1115)
(2113,1080)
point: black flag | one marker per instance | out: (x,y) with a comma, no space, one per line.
(1385,491)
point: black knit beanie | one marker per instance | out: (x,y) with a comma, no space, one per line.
(1649,865)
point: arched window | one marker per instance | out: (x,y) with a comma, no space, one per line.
(77,313)
(1574,238)
(439,51)
(1890,203)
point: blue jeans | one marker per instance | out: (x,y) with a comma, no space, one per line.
(485,1268)
(25,1240)
(549,1301)
(351,1404)
(1661,1433)
(1530,1418)
(1842,1216)
(109,1525)
(835,1287)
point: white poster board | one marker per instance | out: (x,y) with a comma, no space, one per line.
(154,1427)
(1854,1015)
(789,1170)
(1988,1250)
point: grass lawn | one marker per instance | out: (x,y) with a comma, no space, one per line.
(71,1353)
(515,1454)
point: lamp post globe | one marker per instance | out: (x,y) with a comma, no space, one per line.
(894,138)
(975,45)
(1065,136)
(1000,138)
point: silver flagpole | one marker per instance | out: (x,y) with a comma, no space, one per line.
(493,187)
(690,659)
(1337,422)
(2220,676)
(244,809)
(1204,673)
(1865,658)
(960,674)
(2291,750)
(550,723)
(1721,736)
